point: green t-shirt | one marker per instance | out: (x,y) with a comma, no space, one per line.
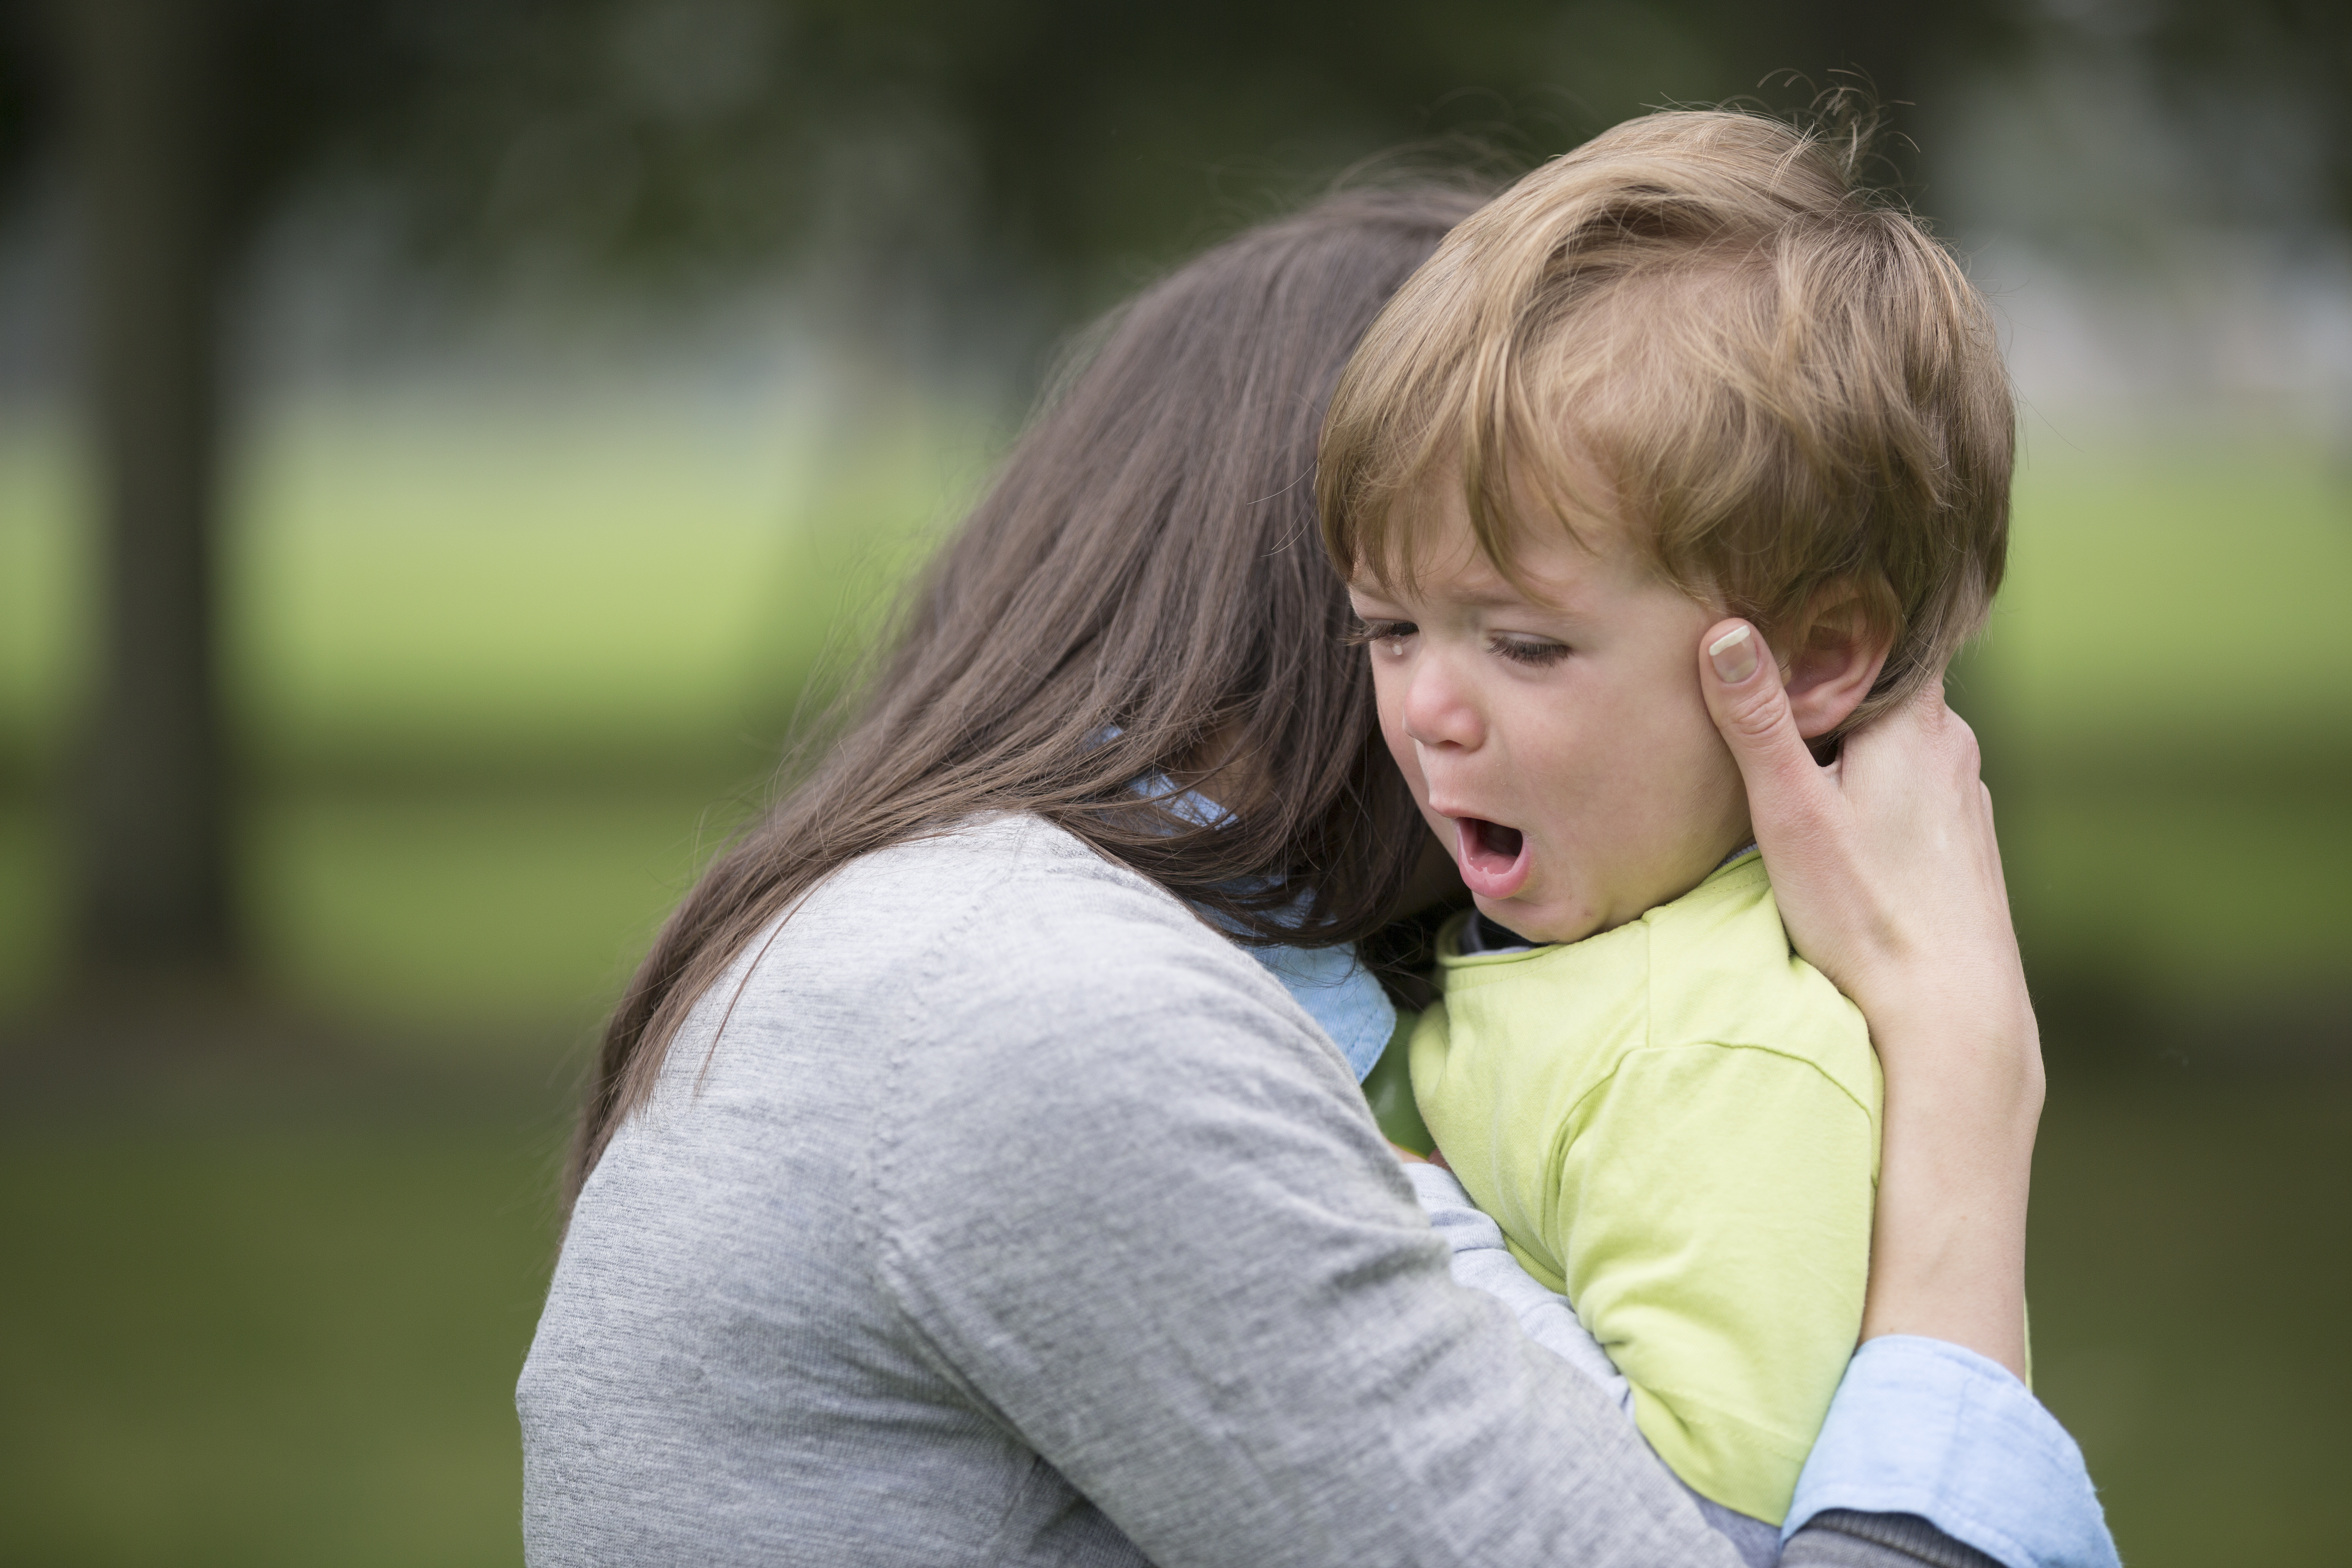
(1676,1124)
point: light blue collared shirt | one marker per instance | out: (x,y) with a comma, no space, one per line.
(1924,1426)
(1339,993)
(1330,983)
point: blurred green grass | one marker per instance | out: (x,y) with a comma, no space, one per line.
(508,910)
(497,677)
(2169,730)
(2189,1260)
(266,1344)
(2176,596)
(503,677)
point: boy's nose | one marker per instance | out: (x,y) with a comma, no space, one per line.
(1437,708)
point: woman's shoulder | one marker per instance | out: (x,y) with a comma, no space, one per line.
(1007,881)
(1000,929)
(960,991)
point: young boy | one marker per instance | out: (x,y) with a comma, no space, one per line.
(1685,372)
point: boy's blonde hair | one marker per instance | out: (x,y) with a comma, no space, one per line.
(1698,323)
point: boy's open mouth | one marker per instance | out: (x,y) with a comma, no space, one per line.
(1493,858)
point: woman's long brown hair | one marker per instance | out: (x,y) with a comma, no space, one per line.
(1142,592)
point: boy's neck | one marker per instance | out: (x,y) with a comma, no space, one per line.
(1487,935)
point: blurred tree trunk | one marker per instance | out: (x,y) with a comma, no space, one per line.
(152,852)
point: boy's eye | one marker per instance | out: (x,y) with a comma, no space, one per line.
(1368,633)
(1535,651)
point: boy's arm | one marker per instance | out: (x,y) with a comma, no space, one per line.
(1713,1215)
(1388,1089)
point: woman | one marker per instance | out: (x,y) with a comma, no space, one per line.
(995,1206)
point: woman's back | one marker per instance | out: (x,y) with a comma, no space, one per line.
(869,1290)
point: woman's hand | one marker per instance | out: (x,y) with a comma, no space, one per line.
(1888,878)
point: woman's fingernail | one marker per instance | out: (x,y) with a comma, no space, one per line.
(1734,655)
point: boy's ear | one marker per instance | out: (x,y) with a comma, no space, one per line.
(1832,657)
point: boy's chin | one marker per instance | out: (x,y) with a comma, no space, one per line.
(1543,927)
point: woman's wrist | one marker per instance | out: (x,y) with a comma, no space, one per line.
(1963,1103)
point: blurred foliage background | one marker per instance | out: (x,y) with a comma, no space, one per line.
(519,411)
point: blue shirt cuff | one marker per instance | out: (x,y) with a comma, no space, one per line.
(1925,1427)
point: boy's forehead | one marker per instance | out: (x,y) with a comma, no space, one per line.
(1451,565)
(1428,547)
(1467,575)
(1429,550)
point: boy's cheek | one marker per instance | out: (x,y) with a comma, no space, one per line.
(1408,761)
(1390,701)
(1407,757)
(1441,829)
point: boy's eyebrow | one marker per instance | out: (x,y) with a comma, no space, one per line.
(1503,596)
(1500,594)
(1496,592)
